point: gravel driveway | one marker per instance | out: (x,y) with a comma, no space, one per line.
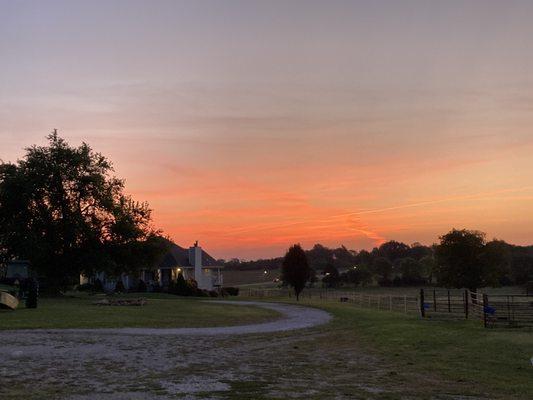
(294,317)
(274,360)
(139,363)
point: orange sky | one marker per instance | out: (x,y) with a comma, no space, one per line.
(251,126)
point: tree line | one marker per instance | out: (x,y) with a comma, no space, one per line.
(461,258)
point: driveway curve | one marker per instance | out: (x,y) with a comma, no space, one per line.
(293,317)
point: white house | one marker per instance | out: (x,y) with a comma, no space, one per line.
(193,263)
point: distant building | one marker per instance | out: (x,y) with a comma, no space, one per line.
(193,263)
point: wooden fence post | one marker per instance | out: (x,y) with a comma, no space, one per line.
(449,303)
(508,311)
(434,300)
(405,302)
(466,303)
(422,309)
(485,305)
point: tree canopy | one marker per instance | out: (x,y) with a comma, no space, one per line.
(62,209)
(464,259)
(295,270)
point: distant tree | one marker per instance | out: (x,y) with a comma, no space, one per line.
(331,276)
(464,261)
(363,258)
(393,250)
(411,271)
(343,258)
(497,260)
(357,275)
(419,251)
(429,266)
(382,267)
(521,268)
(63,210)
(312,277)
(319,257)
(295,270)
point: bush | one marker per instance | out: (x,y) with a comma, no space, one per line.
(97,286)
(231,291)
(119,287)
(86,287)
(182,287)
(213,293)
(141,286)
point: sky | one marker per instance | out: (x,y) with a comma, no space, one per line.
(253,125)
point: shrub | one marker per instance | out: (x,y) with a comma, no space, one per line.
(213,293)
(182,287)
(86,287)
(119,287)
(231,291)
(141,286)
(97,285)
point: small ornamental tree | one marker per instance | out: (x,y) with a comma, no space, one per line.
(295,270)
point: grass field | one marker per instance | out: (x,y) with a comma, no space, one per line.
(162,310)
(460,356)
(361,354)
(250,277)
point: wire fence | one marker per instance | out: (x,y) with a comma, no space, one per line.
(493,310)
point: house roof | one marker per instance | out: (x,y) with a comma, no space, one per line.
(177,256)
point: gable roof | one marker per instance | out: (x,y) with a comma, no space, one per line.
(177,256)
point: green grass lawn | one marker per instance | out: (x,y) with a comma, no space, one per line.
(162,310)
(493,362)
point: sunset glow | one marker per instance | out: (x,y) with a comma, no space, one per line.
(250,127)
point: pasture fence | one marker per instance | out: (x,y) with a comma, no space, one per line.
(493,310)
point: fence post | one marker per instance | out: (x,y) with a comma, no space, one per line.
(405,302)
(422,310)
(434,300)
(466,303)
(508,312)
(449,303)
(485,304)
(390,302)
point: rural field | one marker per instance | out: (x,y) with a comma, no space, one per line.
(360,354)
(162,311)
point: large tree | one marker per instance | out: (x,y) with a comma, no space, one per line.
(63,210)
(295,270)
(465,260)
(382,267)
